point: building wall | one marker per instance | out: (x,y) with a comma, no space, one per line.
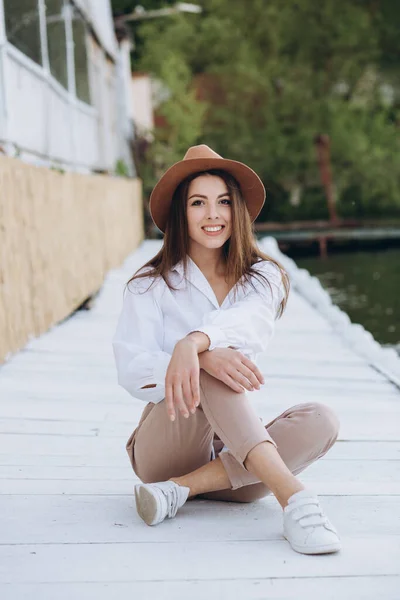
(49,122)
(142,102)
(100,14)
(51,125)
(59,110)
(104,83)
(60,235)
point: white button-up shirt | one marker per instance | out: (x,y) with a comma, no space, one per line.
(152,322)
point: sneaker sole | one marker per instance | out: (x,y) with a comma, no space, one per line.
(335,547)
(147,505)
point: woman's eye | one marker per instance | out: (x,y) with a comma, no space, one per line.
(223,200)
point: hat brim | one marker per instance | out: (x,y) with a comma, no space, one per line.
(252,188)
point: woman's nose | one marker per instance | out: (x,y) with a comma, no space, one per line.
(212,212)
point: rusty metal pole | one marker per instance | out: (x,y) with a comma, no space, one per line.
(323,143)
(323,248)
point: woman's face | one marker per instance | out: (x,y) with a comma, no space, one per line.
(209,204)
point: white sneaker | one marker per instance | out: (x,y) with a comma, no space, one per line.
(306,526)
(155,501)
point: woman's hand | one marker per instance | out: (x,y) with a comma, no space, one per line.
(182,379)
(232,367)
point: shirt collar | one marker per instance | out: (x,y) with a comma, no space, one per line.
(197,278)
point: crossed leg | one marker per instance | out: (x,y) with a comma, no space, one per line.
(161,450)
(303,433)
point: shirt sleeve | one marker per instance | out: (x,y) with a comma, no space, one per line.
(249,324)
(137,343)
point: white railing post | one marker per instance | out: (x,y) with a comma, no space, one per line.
(3,95)
(43,36)
(46,73)
(68,14)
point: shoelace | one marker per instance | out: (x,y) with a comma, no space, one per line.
(171,493)
(313,510)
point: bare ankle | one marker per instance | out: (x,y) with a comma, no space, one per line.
(175,480)
(284,496)
(180,482)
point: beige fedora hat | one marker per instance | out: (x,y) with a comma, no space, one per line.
(202,158)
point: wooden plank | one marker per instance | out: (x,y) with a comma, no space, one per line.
(361,555)
(69,446)
(320,370)
(106,384)
(18,410)
(65,445)
(92,473)
(64,519)
(370,427)
(329,386)
(278,394)
(351,428)
(331,233)
(115,455)
(67,513)
(43,487)
(72,395)
(101,366)
(350,477)
(293,588)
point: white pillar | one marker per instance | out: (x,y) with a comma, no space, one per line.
(68,15)
(124,104)
(46,74)
(125,50)
(43,36)
(3,96)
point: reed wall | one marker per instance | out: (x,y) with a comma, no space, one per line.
(59,235)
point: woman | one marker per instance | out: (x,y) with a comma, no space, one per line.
(193,320)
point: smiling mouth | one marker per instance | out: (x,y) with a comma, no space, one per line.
(214,230)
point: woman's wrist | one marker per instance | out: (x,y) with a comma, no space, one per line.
(199,339)
(203,357)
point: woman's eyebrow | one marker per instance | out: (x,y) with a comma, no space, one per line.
(201,195)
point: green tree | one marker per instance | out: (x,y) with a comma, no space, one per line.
(271,76)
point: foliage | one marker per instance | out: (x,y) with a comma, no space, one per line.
(183,116)
(121,168)
(272,75)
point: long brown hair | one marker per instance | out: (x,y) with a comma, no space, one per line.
(240,250)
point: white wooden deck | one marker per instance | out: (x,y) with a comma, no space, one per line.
(68,526)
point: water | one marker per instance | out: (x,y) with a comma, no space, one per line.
(366,285)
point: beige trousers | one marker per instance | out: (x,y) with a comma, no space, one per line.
(226,425)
